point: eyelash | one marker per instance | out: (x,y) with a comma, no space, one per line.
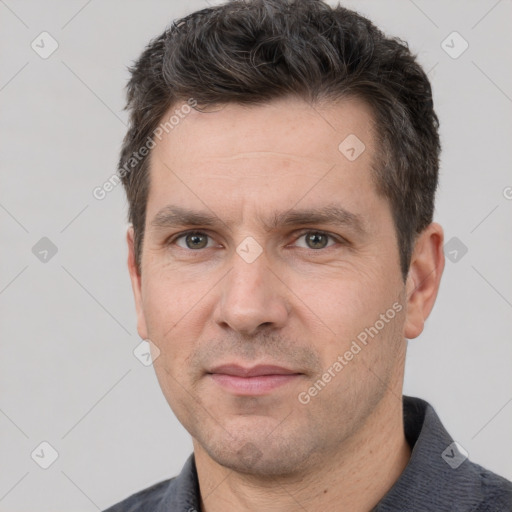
(334,238)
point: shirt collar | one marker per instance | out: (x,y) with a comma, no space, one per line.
(438,476)
(182,495)
(429,482)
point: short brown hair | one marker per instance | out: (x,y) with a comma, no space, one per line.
(253,51)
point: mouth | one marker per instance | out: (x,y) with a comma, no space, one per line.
(253,381)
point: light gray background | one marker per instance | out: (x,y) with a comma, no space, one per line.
(67,372)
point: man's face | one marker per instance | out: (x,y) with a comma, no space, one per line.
(291,258)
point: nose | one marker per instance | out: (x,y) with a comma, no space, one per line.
(252,298)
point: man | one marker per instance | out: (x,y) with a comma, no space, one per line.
(281,166)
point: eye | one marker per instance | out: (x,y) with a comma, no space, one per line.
(316,240)
(193,240)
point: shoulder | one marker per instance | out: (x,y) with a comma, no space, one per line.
(496,491)
(143,501)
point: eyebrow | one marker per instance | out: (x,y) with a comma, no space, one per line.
(176,216)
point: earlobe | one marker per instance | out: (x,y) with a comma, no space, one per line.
(423,279)
(136,280)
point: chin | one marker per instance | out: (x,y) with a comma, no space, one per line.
(261,452)
(251,460)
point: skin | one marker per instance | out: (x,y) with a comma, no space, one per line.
(294,306)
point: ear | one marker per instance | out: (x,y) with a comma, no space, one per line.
(136,280)
(423,279)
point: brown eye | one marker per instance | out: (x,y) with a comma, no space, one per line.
(316,240)
(196,241)
(193,240)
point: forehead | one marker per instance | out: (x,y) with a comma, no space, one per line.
(288,128)
(279,153)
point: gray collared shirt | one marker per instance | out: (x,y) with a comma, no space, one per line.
(438,477)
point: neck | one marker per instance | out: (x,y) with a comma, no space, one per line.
(354,479)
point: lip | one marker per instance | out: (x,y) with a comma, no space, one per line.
(256,380)
(254,371)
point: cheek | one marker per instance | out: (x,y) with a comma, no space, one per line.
(344,312)
(171,310)
(345,302)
